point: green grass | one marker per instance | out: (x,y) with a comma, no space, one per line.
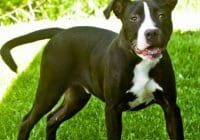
(89,124)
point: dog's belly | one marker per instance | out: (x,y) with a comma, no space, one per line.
(143,86)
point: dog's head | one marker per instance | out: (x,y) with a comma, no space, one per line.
(146,24)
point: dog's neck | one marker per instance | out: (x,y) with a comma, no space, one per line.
(123,41)
(127,46)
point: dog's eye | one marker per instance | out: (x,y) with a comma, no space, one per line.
(134,18)
(161,16)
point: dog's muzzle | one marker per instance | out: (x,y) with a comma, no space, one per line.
(149,52)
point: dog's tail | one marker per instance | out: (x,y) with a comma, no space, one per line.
(28,38)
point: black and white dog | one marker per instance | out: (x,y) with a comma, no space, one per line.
(128,71)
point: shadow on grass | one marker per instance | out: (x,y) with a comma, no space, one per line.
(89,123)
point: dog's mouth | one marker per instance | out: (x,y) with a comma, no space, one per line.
(150,52)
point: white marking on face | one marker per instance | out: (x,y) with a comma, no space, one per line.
(144,86)
(146,25)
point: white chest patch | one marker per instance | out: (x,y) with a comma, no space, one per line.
(143,86)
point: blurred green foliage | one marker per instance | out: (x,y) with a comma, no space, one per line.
(193,5)
(12,11)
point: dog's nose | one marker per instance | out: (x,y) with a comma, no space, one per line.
(151,34)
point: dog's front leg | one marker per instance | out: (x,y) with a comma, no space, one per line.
(113,112)
(173,118)
(114,88)
(173,121)
(113,122)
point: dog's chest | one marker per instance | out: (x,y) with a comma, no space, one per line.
(143,86)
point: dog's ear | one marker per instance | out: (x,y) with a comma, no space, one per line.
(171,3)
(117,6)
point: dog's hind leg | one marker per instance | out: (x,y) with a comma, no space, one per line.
(42,105)
(74,101)
(49,91)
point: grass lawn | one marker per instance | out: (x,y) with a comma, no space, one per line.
(89,124)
